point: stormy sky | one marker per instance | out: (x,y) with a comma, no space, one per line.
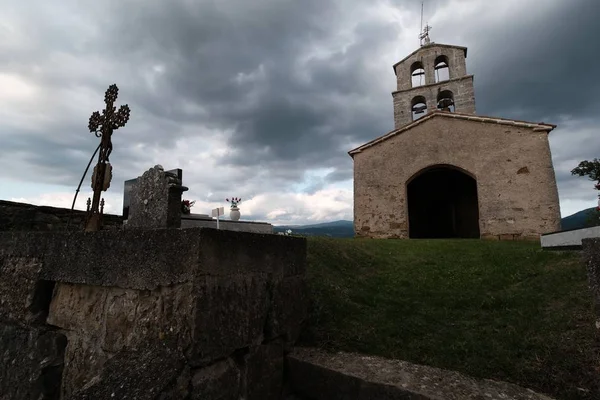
(263,99)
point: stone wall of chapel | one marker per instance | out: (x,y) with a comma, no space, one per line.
(457,64)
(516,185)
(461,88)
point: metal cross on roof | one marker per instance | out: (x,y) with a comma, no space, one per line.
(424,36)
(103,126)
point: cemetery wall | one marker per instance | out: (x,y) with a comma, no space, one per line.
(138,313)
(569,239)
(28,217)
(238,226)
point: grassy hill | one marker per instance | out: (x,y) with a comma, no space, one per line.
(499,310)
(577,220)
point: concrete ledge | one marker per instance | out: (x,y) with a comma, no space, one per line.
(146,259)
(204,221)
(571,238)
(317,375)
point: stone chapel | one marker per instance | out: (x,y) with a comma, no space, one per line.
(446,172)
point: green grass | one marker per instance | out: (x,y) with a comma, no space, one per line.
(500,310)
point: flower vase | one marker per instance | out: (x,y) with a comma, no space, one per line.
(234,214)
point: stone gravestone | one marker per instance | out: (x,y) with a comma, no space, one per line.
(155,200)
(128,185)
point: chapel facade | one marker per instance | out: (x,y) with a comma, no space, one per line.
(446,172)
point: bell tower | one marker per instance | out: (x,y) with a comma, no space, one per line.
(433,77)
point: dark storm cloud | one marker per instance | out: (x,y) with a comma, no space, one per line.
(538,68)
(297,82)
(288,111)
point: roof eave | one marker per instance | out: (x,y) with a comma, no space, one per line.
(535,127)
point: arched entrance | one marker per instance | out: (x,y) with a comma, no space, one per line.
(442,203)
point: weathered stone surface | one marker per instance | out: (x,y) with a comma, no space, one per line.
(230,314)
(114,293)
(155,201)
(31,362)
(288,308)
(324,376)
(508,203)
(137,375)
(28,217)
(121,318)
(459,82)
(84,359)
(134,259)
(263,367)
(146,259)
(78,308)
(591,255)
(228,253)
(101,321)
(219,381)
(24,297)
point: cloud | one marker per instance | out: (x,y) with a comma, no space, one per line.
(263,99)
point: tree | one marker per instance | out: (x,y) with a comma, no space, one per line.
(591,169)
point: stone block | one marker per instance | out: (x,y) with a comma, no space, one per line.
(101,321)
(263,370)
(318,375)
(132,259)
(141,375)
(79,308)
(288,309)
(221,380)
(84,359)
(318,383)
(24,296)
(230,314)
(507,236)
(228,253)
(147,259)
(31,362)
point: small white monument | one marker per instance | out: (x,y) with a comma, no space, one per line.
(217,212)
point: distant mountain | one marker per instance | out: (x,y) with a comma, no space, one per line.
(342,229)
(577,220)
(339,229)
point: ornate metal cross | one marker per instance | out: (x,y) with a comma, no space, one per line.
(103,126)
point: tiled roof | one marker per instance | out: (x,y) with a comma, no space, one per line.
(537,127)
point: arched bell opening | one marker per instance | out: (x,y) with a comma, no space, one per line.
(445,101)
(417,74)
(418,107)
(441,69)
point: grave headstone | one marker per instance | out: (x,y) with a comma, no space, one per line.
(128,185)
(155,200)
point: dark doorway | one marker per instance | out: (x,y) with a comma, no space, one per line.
(442,203)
